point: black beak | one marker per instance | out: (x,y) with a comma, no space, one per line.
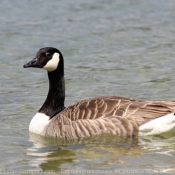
(32,63)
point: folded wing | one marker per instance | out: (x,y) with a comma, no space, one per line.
(116,115)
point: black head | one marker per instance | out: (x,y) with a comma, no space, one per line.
(47,58)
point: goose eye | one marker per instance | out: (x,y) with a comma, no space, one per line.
(48,54)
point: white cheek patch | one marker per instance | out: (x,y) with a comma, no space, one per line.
(53,63)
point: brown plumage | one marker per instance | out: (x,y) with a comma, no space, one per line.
(115,115)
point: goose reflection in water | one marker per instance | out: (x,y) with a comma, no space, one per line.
(57,154)
(97,152)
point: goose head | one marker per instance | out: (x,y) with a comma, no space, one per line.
(47,58)
(51,59)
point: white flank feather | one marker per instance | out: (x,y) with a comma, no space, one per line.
(158,126)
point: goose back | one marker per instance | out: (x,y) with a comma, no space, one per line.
(115,115)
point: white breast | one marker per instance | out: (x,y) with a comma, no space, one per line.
(38,123)
(158,126)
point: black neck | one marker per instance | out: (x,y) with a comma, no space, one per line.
(55,99)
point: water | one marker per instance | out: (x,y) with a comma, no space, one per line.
(110,47)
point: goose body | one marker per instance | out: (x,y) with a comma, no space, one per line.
(111,114)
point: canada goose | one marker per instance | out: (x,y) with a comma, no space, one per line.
(112,114)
